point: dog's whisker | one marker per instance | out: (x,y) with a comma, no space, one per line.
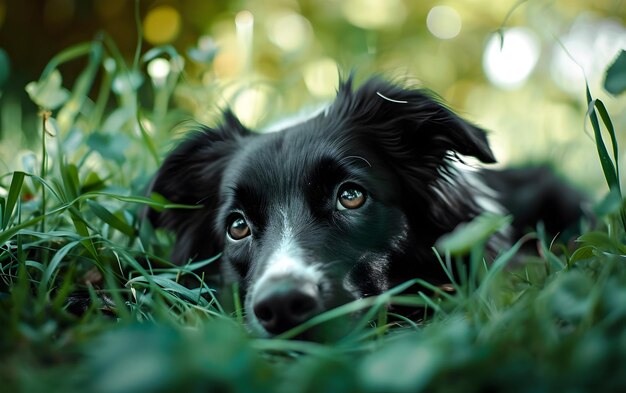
(201,200)
(391,99)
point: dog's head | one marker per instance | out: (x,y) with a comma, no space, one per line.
(338,207)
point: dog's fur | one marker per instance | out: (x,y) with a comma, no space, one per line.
(395,150)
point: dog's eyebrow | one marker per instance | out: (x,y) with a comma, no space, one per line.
(240,192)
(245,197)
(334,170)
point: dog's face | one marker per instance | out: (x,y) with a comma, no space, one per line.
(336,208)
(309,223)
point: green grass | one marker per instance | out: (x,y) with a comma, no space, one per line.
(69,222)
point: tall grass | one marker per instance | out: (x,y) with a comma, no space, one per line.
(70,225)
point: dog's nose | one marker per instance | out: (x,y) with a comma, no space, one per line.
(285,304)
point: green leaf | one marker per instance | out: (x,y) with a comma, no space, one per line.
(498,265)
(53,266)
(615,79)
(48,93)
(69,54)
(350,309)
(92,182)
(610,172)
(158,51)
(148,140)
(610,204)
(110,218)
(117,119)
(110,147)
(466,235)
(200,264)
(35,264)
(580,254)
(83,230)
(606,119)
(203,55)
(9,233)
(69,173)
(156,201)
(158,198)
(12,197)
(554,263)
(127,82)
(81,87)
(173,287)
(599,240)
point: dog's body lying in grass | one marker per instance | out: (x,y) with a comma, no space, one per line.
(344,205)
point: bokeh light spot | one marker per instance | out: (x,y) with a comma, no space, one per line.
(322,77)
(508,64)
(244,20)
(374,14)
(159,69)
(251,105)
(444,22)
(290,31)
(244,25)
(161,25)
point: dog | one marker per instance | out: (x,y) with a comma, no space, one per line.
(345,204)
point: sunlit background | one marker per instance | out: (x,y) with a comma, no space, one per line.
(516,68)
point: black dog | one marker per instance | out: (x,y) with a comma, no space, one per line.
(341,206)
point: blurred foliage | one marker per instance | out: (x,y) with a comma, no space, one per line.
(269,59)
(615,82)
(80,140)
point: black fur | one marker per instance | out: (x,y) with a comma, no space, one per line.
(397,145)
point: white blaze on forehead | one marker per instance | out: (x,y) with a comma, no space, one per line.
(288,260)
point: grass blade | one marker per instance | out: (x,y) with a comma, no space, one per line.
(12,197)
(610,173)
(71,53)
(81,88)
(111,219)
(83,230)
(53,267)
(172,286)
(606,119)
(373,302)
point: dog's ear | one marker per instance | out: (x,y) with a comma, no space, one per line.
(191,175)
(414,128)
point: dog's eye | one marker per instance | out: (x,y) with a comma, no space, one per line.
(238,228)
(350,197)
